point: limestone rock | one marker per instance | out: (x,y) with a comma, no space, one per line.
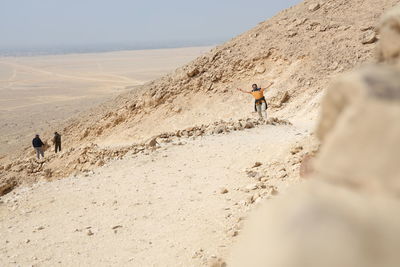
(260,69)
(251,187)
(223,190)
(284,98)
(388,48)
(341,220)
(369,37)
(192,72)
(257,164)
(217,263)
(7,185)
(361,115)
(296,150)
(314,7)
(48,173)
(100,163)
(249,125)
(153,143)
(219,129)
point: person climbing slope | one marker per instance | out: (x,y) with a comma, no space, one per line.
(260,104)
(38,146)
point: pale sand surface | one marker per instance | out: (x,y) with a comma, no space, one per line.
(39,91)
(166,205)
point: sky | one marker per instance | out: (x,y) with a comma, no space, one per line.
(47,23)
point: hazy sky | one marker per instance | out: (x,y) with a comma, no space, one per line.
(25,23)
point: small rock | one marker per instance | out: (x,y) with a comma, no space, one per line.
(249,200)
(193,72)
(237,126)
(281,174)
(223,190)
(285,98)
(296,150)
(216,263)
(260,69)
(314,7)
(257,164)
(249,125)
(176,109)
(100,163)
(153,142)
(219,129)
(251,174)
(274,191)
(369,37)
(255,196)
(251,187)
(89,232)
(48,173)
(8,167)
(366,28)
(233,233)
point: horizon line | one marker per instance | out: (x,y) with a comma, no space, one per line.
(97,48)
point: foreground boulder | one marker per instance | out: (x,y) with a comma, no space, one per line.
(360,127)
(321,225)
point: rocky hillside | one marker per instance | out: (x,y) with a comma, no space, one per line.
(299,49)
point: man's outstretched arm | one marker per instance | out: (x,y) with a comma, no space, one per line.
(267,87)
(243,91)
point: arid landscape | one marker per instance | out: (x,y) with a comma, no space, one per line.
(174,167)
(40,92)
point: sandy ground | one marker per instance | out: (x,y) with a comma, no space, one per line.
(160,209)
(39,91)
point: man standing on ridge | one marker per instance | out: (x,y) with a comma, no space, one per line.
(260,104)
(57,142)
(38,146)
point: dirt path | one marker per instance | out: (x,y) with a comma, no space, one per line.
(161,209)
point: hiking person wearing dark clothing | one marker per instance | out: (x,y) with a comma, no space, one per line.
(38,146)
(260,104)
(57,142)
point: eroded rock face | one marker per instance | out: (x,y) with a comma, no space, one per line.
(318,225)
(360,128)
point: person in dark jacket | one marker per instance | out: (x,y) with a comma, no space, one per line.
(57,142)
(38,146)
